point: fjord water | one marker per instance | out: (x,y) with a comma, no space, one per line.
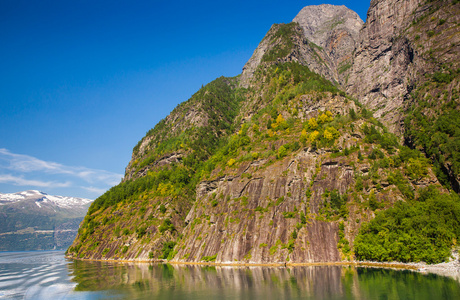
(48,275)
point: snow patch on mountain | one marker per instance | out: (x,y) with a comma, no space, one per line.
(41,197)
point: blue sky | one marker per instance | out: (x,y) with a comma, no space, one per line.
(81,82)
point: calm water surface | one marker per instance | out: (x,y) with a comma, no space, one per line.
(48,275)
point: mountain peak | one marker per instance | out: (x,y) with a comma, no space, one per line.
(319,21)
(322,37)
(335,29)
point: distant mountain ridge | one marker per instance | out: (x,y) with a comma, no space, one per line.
(43,198)
(34,220)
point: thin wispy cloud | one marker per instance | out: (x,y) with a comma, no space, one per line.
(25,164)
(24,170)
(20,181)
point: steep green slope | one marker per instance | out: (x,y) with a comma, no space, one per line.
(293,183)
(146,211)
(433,117)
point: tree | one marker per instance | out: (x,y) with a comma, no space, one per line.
(312,124)
(282,152)
(313,136)
(417,168)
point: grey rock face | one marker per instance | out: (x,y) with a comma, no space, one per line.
(381,72)
(318,21)
(333,28)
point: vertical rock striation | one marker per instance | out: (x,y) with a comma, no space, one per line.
(382,71)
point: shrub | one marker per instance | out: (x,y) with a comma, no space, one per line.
(209,258)
(312,124)
(167,249)
(231,162)
(141,231)
(289,214)
(282,152)
(167,225)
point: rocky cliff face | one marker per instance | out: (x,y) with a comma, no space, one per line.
(324,41)
(253,212)
(279,165)
(335,29)
(390,58)
(406,69)
(382,73)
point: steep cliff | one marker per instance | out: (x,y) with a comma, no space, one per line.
(401,43)
(279,165)
(406,69)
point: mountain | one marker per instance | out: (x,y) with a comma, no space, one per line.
(33,220)
(317,152)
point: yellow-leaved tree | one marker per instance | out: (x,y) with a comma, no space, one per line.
(312,124)
(313,136)
(330,133)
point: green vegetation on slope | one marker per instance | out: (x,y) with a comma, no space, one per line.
(437,130)
(433,118)
(171,181)
(282,36)
(424,229)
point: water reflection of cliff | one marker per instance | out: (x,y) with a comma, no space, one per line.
(166,281)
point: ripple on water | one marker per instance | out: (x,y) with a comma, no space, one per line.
(10,277)
(34,275)
(56,291)
(11,283)
(12,294)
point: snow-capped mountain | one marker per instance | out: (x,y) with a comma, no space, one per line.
(41,198)
(33,220)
